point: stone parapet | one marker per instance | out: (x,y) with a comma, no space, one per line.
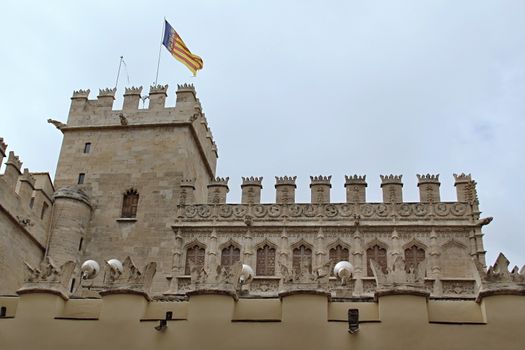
(355,188)
(251,190)
(285,189)
(320,189)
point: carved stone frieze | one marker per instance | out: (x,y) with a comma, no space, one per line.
(130,279)
(330,211)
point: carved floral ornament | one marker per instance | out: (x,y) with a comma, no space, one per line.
(330,211)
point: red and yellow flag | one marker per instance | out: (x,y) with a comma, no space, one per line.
(179,50)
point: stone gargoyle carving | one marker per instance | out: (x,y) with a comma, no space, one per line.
(497,279)
(399,278)
(130,278)
(223,278)
(48,277)
(58,124)
(305,277)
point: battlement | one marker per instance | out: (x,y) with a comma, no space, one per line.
(150,111)
(25,197)
(252,181)
(355,186)
(462,177)
(285,180)
(320,180)
(391,179)
(355,180)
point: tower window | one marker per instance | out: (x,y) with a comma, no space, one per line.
(31,202)
(130,203)
(81,178)
(87,147)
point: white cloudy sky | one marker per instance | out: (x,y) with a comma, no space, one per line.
(299,88)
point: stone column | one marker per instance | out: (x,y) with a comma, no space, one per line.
(320,251)
(428,188)
(392,188)
(434,264)
(285,189)
(320,189)
(251,190)
(218,190)
(248,254)
(357,261)
(355,189)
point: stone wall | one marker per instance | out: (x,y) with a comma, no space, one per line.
(296,321)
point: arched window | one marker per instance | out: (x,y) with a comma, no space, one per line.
(265,261)
(194,258)
(413,256)
(302,258)
(336,254)
(129,204)
(230,255)
(377,254)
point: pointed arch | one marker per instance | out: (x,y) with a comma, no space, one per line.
(337,242)
(455,259)
(377,242)
(415,242)
(338,251)
(302,256)
(195,256)
(230,253)
(265,259)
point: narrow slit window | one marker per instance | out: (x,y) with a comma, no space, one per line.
(44,210)
(81,178)
(87,147)
(31,202)
(80,244)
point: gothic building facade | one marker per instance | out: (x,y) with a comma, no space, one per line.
(136,192)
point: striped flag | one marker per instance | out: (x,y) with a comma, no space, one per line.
(178,49)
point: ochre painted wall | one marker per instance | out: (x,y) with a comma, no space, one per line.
(299,321)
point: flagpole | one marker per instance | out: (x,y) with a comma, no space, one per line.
(118,72)
(160,49)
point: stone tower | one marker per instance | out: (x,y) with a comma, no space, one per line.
(135,165)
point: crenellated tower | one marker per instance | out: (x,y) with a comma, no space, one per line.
(134,166)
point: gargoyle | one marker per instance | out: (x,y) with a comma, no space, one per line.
(59,125)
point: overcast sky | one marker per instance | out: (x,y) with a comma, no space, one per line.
(298,88)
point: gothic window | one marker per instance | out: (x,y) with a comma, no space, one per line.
(129,204)
(377,254)
(230,255)
(336,254)
(302,258)
(194,258)
(413,256)
(265,261)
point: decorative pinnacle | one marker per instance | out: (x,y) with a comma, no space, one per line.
(391,179)
(285,180)
(252,181)
(185,86)
(425,179)
(14,160)
(107,92)
(158,89)
(81,93)
(320,180)
(219,181)
(133,90)
(3,146)
(355,180)
(188,183)
(461,178)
